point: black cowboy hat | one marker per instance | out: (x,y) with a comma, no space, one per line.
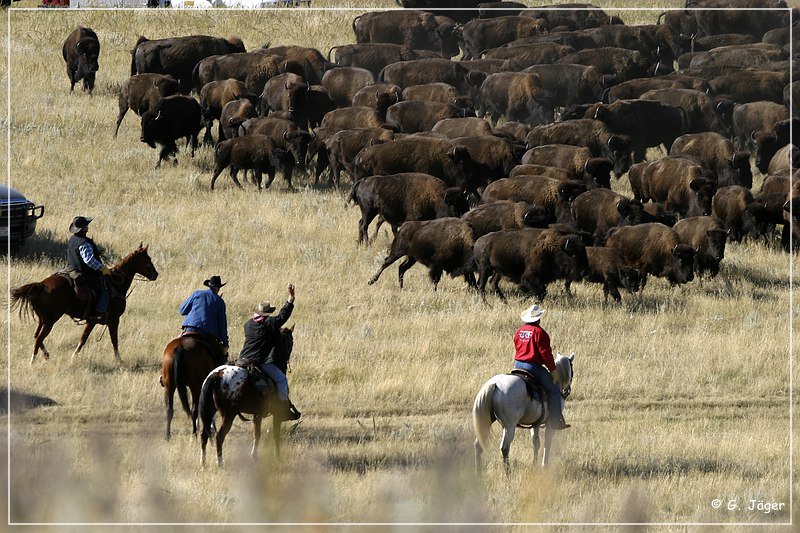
(78,223)
(214,281)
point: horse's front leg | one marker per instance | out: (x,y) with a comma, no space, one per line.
(113,332)
(536,442)
(478,454)
(508,436)
(256,436)
(548,439)
(276,434)
(87,330)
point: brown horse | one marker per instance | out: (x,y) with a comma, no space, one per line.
(186,362)
(228,390)
(54,297)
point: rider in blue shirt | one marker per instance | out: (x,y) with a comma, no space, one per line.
(206,314)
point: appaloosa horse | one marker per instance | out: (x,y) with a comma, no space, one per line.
(186,362)
(228,390)
(53,297)
(505,398)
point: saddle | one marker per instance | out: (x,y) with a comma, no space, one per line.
(532,385)
(216,348)
(262,382)
(80,284)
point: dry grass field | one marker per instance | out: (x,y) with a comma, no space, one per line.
(681,395)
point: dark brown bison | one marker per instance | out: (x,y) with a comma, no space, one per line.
(413,116)
(442,245)
(707,235)
(369,96)
(518,97)
(251,152)
(214,96)
(505,214)
(654,249)
(143,92)
(572,16)
(415,29)
(730,166)
(531,258)
(399,198)
(482,34)
(513,131)
(175,117)
(577,161)
(607,267)
(569,84)
(233,115)
(637,87)
(786,158)
(375,56)
(702,112)
(436,157)
(80,51)
(307,62)
(342,83)
(526,56)
(343,147)
(422,71)
(496,156)
(620,63)
(752,17)
(281,93)
(751,86)
(178,56)
(767,143)
(733,206)
(682,183)
(554,195)
(598,210)
(756,116)
(529,169)
(593,134)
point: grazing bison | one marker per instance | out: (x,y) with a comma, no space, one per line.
(598,210)
(505,214)
(436,157)
(254,152)
(682,183)
(175,117)
(607,267)
(531,258)
(707,236)
(593,134)
(654,249)
(730,166)
(733,206)
(143,92)
(399,198)
(415,29)
(178,56)
(442,245)
(80,51)
(577,161)
(482,34)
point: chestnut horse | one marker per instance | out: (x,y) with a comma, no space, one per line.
(54,297)
(228,390)
(186,362)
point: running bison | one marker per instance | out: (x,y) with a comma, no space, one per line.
(654,249)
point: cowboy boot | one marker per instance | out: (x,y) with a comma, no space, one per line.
(559,423)
(286,411)
(294,414)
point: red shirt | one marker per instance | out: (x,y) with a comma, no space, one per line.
(533,346)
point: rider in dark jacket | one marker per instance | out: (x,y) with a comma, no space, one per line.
(261,333)
(84,257)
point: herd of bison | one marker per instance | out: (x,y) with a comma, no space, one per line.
(499,164)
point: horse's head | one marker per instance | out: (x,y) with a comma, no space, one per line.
(565,373)
(142,264)
(287,336)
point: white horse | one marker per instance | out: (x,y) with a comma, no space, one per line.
(505,398)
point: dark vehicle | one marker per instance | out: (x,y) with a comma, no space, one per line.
(18,218)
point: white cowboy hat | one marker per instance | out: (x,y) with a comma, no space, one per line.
(532,314)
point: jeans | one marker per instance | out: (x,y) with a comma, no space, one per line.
(555,403)
(102,301)
(279,378)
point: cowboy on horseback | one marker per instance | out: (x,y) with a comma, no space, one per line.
(206,316)
(83,262)
(260,335)
(533,353)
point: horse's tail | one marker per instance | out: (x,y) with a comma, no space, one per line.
(482,416)
(179,377)
(208,407)
(23,298)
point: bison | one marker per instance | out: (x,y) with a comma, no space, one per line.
(143,92)
(682,183)
(654,249)
(256,152)
(578,161)
(175,117)
(81,50)
(730,166)
(707,236)
(505,214)
(607,267)
(733,206)
(598,210)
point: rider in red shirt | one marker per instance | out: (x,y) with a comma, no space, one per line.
(533,353)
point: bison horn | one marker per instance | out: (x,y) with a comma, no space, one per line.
(286,85)
(566,245)
(753,135)
(655,70)
(733,159)
(285,133)
(377,94)
(158,115)
(585,165)
(596,111)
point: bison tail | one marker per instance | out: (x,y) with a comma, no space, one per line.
(196,77)
(142,39)
(353,193)
(23,298)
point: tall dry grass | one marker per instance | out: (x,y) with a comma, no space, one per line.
(680,395)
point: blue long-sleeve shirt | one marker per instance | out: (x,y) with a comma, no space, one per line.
(206,311)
